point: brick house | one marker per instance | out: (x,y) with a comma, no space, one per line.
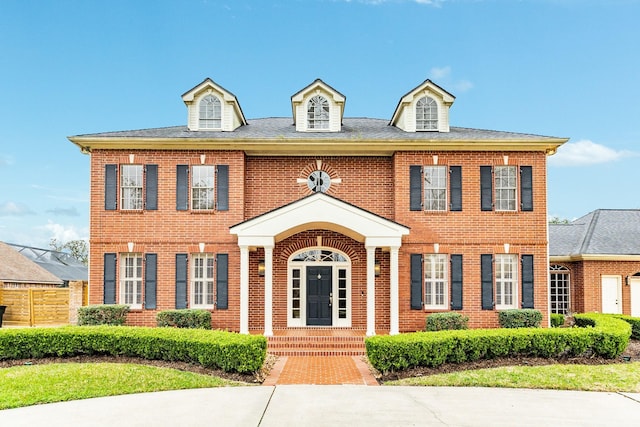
(318,219)
(595,263)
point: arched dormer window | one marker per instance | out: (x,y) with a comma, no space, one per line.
(426,114)
(210,113)
(318,113)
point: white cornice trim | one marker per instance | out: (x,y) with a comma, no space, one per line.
(594,257)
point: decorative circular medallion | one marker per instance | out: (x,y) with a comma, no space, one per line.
(319,181)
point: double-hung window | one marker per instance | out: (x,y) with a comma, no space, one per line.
(499,187)
(131,187)
(435,188)
(202,187)
(318,113)
(435,281)
(506,280)
(131,280)
(202,280)
(505,178)
(426,114)
(134,187)
(210,113)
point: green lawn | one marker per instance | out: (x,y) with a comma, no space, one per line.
(35,384)
(617,377)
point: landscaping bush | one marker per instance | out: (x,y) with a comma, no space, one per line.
(635,325)
(188,318)
(212,349)
(557,320)
(446,321)
(108,314)
(520,318)
(600,335)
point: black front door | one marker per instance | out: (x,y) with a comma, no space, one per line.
(319,296)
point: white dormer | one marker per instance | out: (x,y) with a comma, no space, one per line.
(212,108)
(424,109)
(318,108)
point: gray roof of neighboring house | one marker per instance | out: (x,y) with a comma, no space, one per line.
(352,128)
(60,264)
(601,232)
(17,268)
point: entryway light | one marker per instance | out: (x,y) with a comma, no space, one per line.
(376,268)
(261,268)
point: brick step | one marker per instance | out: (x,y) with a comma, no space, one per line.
(312,345)
(317,352)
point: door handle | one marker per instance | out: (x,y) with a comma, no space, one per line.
(330,299)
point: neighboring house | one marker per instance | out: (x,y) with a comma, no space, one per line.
(18,271)
(595,263)
(318,219)
(61,264)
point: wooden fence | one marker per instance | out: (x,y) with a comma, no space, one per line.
(38,306)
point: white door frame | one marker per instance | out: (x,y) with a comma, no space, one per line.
(634,283)
(611,294)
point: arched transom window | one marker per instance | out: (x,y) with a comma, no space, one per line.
(318,113)
(210,113)
(426,114)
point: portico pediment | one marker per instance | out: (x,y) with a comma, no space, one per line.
(319,211)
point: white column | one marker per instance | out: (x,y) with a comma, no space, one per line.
(371,290)
(244,289)
(268,291)
(394,316)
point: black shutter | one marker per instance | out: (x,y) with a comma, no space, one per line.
(416,282)
(486,266)
(222,188)
(486,188)
(151,187)
(182,188)
(527,281)
(222,281)
(109,285)
(150,280)
(111,187)
(526,188)
(455,187)
(415,188)
(181,281)
(456,282)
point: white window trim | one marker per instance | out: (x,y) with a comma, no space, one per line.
(317,118)
(501,260)
(302,266)
(128,199)
(193,188)
(194,279)
(137,280)
(203,122)
(559,270)
(431,282)
(445,188)
(514,188)
(430,103)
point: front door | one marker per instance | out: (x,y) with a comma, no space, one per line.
(319,296)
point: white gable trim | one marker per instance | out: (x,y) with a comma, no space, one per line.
(231,117)
(320,211)
(300,100)
(404,116)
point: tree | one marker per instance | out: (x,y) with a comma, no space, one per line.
(76,248)
(558,220)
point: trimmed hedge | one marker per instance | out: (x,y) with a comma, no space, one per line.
(212,349)
(103,314)
(557,320)
(600,335)
(187,318)
(520,318)
(634,322)
(446,322)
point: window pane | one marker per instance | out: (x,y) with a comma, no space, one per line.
(436,282)
(202,188)
(318,113)
(202,283)
(435,188)
(505,180)
(426,114)
(131,187)
(210,113)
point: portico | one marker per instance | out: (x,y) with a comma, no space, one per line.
(320,211)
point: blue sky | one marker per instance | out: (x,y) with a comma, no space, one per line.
(566,68)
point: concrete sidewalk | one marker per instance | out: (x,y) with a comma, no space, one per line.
(308,405)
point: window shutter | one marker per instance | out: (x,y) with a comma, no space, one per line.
(150,280)
(109,284)
(222,188)
(455,187)
(416,282)
(486,188)
(111,187)
(526,188)
(151,187)
(181,281)
(182,188)
(486,265)
(222,281)
(527,281)
(456,282)
(415,188)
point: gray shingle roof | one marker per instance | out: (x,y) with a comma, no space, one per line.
(17,268)
(352,128)
(601,232)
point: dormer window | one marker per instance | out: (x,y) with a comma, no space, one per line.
(318,113)
(426,114)
(210,113)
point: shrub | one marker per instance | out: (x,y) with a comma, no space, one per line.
(520,318)
(600,335)
(190,318)
(557,320)
(108,314)
(635,325)
(228,351)
(446,321)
